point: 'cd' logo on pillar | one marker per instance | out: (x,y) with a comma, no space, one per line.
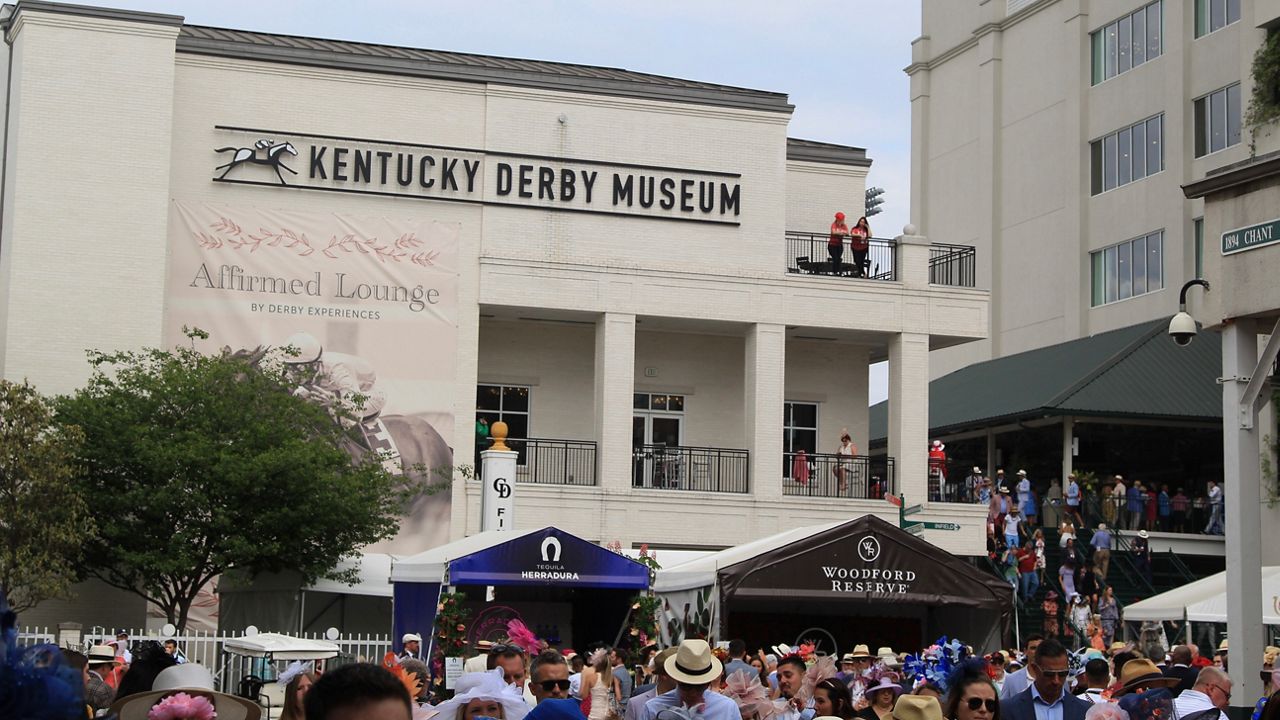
(502,487)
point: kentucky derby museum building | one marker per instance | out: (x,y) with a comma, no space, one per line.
(630,271)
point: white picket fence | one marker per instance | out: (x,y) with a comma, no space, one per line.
(205,648)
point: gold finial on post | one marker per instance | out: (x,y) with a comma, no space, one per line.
(498,433)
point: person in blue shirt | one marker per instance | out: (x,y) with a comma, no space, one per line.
(1073,499)
(1101,544)
(1135,505)
(1047,697)
(693,667)
(1163,508)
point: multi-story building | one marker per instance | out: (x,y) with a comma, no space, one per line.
(626,269)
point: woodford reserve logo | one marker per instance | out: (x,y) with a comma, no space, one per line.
(872,579)
(375,167)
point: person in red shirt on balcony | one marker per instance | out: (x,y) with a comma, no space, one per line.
(859,241)
(937,470)
(835,243)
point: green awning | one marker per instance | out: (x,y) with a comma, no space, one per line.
(1133,372)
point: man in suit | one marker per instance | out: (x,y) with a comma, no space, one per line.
(1016,682)
(663,684)
(1180,668)
(1047,697)
(737,658)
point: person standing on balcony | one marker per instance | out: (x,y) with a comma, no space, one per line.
(835,243)
(859,242)
(1164,509)
(1215,510)
(844,459)
(1073,499)
(1117,503)
(937,470)
(1135,497)
(972,483)
(1179,504)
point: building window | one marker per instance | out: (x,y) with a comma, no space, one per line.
(1131,268)
(799,432)
(662,403)
(1197,226)
(1127,155)
(1214,15)
(508,403)
(1217,120)
(1128,42)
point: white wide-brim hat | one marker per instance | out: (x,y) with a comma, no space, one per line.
(410,637)
(193,679)
(693,663)
(488,685)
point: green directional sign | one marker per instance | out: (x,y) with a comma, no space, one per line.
(915,528)
(1248,238)
(941,526)
(912,510)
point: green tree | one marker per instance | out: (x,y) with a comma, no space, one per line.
(43,518)
(199,464)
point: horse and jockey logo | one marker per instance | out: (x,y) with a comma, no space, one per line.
(273,156)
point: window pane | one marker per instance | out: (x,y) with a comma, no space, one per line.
(1124,266)
(1155,145)
(1217,121)
(804,415)
(1155,19)
(1125,45)
(1109,162)
(1202,17)
(1095,166)
(1139,266)
(640,401)
(1155,261)
(1124,156)
(1201,126)
(517,425)
(657,402)
(1233,115)
(806,440)
(515,399)
(1139,46)
(1113,284)
(675,403)
(1197,226)
(1217,14)
(1233,11)
(1096,278)
(488,397)
(1096,41)
(1111,49)
(1139,151)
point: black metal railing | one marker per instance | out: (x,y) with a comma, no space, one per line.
(807,254)
(953,265)
(543,461)
(672,467)
(853,477)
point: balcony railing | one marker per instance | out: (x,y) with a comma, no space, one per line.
(807,254)
(670,467)
(543,461)
(953,265)
(852,477)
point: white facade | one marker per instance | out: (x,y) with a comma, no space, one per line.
(582,309)
(1005,108)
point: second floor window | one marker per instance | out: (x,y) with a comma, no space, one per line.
(1217,118)
(1127,155)
(1214,15)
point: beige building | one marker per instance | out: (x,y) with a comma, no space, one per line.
(1054,136)
(660,355)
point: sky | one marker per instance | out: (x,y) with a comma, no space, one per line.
(840,61)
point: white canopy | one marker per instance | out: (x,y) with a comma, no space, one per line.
(1204,600)
(375,573)
(281,647)
(430,566)
(702,571)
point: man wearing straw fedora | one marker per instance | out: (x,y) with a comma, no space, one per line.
(694,668)
(98,694)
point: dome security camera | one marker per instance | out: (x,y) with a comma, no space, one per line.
(1182,328)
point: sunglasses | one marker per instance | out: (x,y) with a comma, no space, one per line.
(1058,674)
(502,649)
(548,685)
(976,702)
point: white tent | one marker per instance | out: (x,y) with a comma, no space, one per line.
(1205,600)
(374,578)
(701,572)
(430,566)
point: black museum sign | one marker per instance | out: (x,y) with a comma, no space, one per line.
(374,167)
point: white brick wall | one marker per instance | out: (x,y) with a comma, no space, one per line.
(815,192)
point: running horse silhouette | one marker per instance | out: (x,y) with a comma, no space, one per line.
(274,157)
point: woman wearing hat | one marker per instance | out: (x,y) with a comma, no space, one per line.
(1141,675)
(185,690)
(484,694)
(835,243)
(881,697)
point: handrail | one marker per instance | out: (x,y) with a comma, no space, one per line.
(550,461)
(856,477)
(807,254)
(685,467)
(1180,566)
(953,265)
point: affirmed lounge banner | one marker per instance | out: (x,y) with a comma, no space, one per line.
(370,303)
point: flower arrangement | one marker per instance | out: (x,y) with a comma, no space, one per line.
(645,607)
(935,663)
(451,633)
(181,706)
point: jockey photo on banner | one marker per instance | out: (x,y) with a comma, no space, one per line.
(362,311)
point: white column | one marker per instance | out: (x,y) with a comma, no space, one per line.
(1068,432)
(909,414)
(1241,476)
(765,356)
(614,386)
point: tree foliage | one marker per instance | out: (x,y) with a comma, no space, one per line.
(43,518)
(198,464)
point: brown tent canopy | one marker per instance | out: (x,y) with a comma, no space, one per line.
(862,579)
